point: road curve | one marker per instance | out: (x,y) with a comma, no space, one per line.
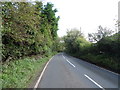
(65,71)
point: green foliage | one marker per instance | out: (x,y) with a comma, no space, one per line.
(27,29)
(49,14)
(19,73)
(101,33)
(58,45)
(75,42)
(103,60)
(105,53)
(110,45)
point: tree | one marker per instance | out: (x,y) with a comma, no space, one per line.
(110,45)
(101,33)
(48,13)
(27,28)
(70,40)
(21,28)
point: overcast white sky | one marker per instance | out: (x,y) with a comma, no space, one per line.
(87,14)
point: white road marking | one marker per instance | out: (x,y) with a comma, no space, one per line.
(68,61)
(99,67)
(36,85)
(94,82)
(63,56)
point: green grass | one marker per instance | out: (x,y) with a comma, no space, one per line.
(103,61)
(18,73)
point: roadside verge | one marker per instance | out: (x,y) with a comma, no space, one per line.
(21,73)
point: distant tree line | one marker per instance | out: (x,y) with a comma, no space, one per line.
(28,29)
(103,47)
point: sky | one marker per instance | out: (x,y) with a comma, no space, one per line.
(87,14)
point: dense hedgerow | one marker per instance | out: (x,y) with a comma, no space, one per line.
(28,29)
(105,52)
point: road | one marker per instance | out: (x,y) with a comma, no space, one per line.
(64,71)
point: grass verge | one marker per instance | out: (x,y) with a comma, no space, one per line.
(19,73)
(103,61)
(110,63)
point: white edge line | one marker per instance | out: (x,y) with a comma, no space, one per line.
(94,82)
(36,85)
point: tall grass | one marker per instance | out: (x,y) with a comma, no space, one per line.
(18,73)
(103,61)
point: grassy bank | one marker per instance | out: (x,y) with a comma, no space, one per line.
(110,63)
(19,73)
(103,61)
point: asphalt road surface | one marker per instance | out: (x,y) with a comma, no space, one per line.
(64,71)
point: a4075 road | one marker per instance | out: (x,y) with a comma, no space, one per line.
(64,71)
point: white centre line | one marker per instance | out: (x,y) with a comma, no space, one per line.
(63,56)
(68,61)
(94,82)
